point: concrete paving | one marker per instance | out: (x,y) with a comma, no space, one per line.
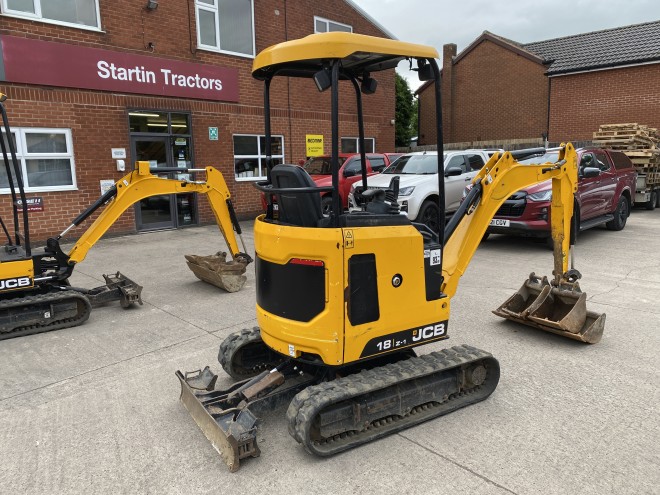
(95,409)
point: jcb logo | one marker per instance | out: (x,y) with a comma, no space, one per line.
(429,332)
(15,283)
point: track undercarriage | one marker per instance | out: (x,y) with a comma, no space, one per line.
(330,410)
(55,307)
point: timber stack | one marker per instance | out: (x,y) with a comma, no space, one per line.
(640,142)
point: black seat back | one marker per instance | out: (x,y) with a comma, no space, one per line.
(300,209)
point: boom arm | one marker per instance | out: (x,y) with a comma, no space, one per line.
(497,180)
(140,184)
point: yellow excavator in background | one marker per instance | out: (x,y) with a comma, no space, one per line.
(342,301)
(35,293)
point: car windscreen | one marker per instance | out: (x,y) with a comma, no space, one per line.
(414,165)
(320,165)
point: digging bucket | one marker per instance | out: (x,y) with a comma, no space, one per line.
(559,311)
(521,302)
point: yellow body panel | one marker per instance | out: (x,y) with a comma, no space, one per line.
(398,251)
(324,334)
(16,275)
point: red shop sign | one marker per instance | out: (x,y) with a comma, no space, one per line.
(57,64)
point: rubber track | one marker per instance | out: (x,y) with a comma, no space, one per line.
(310,402)
(48,324)
(232,345)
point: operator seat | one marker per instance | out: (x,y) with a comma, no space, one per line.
(300,209)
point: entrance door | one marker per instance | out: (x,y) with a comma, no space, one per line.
(156,212)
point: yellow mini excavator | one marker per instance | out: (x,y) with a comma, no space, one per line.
(35,293)
(342,301)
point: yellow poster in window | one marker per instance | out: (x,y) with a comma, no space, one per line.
(314,144)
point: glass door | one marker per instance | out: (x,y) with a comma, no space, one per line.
(156,212)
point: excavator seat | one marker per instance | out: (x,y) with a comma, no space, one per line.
(303,209)
(300,209)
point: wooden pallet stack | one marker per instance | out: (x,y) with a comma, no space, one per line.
(640,142)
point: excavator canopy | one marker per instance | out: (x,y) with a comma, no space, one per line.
(358,52)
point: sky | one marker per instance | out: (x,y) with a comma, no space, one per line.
(438,22)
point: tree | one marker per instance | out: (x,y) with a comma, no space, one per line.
(405,111)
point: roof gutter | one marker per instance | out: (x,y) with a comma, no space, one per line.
(600,68)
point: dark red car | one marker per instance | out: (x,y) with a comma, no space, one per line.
(606,192)
(350,171)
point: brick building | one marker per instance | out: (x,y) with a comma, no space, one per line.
(560,89)
(92,83)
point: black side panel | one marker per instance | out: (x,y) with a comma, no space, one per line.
(362,289)
(294,291)
(432,270)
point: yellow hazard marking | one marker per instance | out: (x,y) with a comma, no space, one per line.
(348,239)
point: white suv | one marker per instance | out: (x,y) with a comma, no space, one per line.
(418,186)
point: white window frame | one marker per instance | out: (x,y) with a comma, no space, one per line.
(214,8)
(327,23)
(357,143)
(260,156)
(22,155)
(6,11)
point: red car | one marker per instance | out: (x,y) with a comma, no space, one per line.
(350,171)
(606,192)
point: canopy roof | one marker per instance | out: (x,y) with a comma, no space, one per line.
(359,53)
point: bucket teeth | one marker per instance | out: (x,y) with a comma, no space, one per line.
(556,310)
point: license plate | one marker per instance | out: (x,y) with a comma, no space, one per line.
(498,222)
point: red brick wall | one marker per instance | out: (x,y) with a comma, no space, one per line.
(490,93)
(99,120)
(427,128)
(498,94)
(580,103)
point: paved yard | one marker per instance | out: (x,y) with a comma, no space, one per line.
(95,409)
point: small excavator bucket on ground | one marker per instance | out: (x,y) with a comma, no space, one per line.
(216,270)
(557,310)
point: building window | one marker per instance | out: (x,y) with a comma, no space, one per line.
(322,25)
(351,145)
(250,155)
(76,13)
(226,26)
(45,157)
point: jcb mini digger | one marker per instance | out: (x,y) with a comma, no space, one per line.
(342,301)
(35,293)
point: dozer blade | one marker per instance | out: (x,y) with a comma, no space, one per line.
(229,418)
(117,287)
(232,431)
(556,310)
(216,270)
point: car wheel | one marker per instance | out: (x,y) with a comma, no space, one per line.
(428,215)
(650,204)
(326,205)
(620,215)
